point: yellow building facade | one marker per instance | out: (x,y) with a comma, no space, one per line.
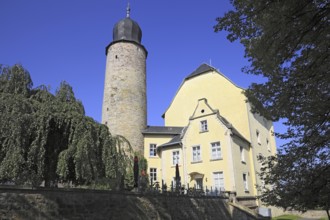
(212,135)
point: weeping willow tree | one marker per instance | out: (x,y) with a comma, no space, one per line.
(47,137)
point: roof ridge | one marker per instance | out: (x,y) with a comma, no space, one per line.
(162,130)
(204,67)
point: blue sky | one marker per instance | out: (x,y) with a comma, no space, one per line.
(66,39)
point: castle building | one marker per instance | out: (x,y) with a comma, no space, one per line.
(209,132)
(124,108)
(212,135)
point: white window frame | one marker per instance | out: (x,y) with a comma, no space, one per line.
(196,153)
(175,157)
(152,150)
(219,181)
(242,153)
(216,146)
(268,145)
(245,182)
(258,137)
(204,126)
(153,174)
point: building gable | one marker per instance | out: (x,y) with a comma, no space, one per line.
(221,93)
(203,109)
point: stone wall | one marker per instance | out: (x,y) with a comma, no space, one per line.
(248,201)
(90,204)
(124,108)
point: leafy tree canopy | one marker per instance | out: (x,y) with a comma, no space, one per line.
(46,137)
(287,42)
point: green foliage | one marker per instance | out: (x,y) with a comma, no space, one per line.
(143,164)
(104,184)
(287,42)
(46,137)
(15,80)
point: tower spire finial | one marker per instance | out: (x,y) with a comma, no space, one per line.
(128,10)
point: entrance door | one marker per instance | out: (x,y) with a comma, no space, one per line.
(199,183)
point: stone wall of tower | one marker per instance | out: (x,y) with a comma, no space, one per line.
(124,101)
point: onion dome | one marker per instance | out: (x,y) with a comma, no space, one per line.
(127,30)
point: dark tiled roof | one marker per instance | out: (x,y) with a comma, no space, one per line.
(175,140)
(162,130)
(201,69)
(127,29)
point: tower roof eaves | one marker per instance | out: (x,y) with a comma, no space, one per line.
(128,41)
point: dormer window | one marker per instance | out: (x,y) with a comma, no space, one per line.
(204,127)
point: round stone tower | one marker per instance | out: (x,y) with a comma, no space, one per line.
(124,108)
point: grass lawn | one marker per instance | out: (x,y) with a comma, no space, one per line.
(286,217)
(291,217)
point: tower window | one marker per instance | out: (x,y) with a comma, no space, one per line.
(116,57)
(204,126)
